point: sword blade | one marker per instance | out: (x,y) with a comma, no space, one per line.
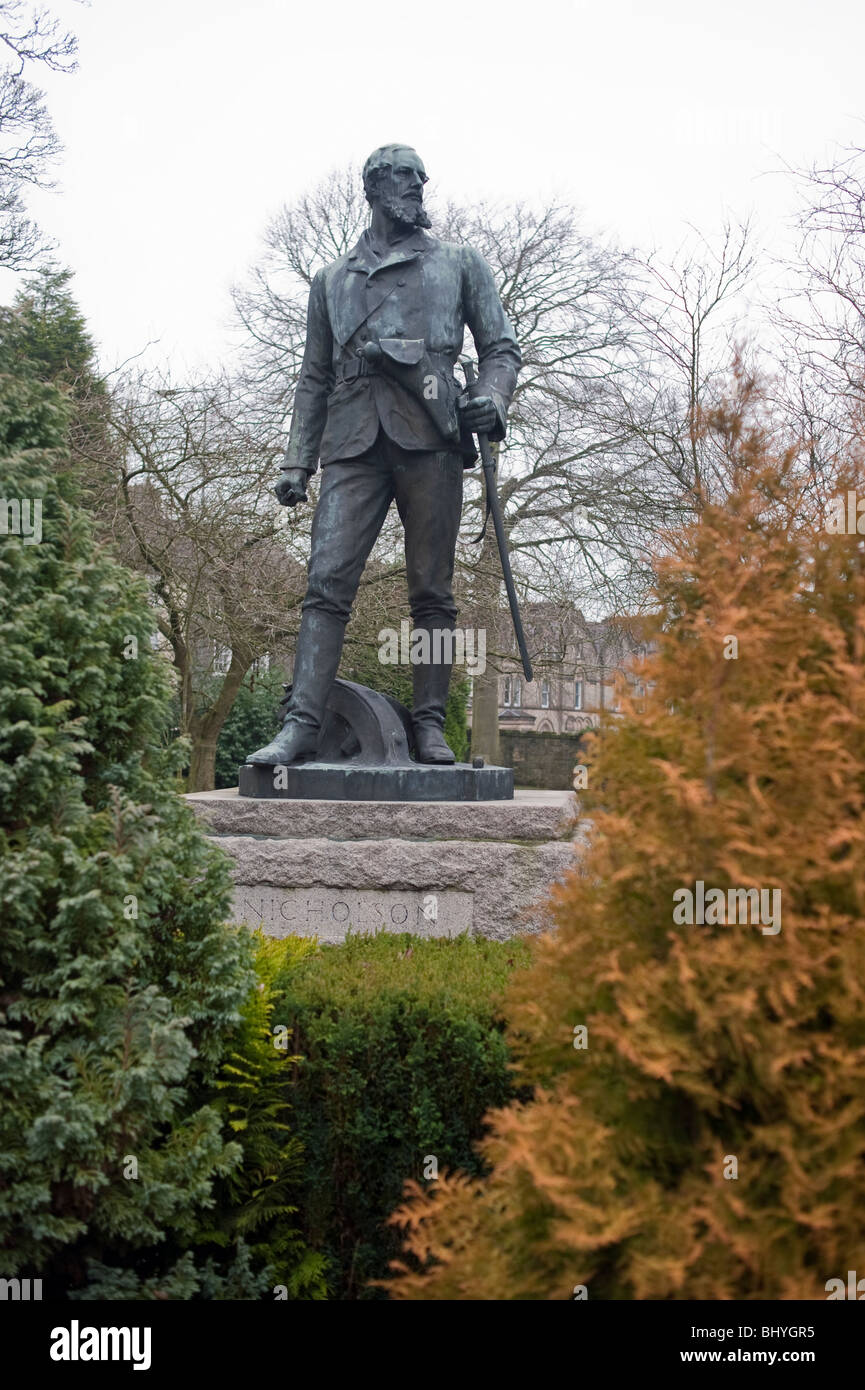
(495,510)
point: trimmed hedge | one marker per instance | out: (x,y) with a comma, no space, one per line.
(402,1054)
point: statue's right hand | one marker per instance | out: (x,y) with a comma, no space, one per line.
(291,486)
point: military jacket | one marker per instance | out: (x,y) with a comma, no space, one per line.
(426,291)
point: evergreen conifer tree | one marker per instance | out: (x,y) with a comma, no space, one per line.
(120,982)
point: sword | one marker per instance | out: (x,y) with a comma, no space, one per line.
(494,509)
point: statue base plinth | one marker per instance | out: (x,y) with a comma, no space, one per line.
(356,782)
(326,868)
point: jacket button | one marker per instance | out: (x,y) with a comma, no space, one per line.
(401,282)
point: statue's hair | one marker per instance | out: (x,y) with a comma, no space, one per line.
(382,158)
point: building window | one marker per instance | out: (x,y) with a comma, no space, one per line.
(513,692)
(578,694)
(545,694)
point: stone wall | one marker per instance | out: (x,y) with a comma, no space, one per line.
(541,760)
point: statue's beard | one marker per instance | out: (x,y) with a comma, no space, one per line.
(404,214)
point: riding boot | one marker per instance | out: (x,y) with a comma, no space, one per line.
(319,647)
(430,683)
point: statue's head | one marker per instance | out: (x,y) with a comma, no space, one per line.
(393,179)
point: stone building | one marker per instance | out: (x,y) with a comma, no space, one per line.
(576,663)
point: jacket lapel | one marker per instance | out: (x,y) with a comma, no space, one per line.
(363,283)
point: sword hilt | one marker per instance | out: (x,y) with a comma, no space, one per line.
(487,458)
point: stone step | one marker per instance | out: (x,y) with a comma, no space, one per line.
(532,815)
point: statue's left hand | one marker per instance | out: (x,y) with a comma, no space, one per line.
(477,413)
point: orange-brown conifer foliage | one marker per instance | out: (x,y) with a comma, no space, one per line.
(711,1049)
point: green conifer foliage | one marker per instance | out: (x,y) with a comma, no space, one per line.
(44,334)
(119,979)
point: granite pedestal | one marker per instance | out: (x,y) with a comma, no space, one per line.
(323,868)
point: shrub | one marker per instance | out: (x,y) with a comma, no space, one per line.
(402,1053)
(709,1141)
(256,1202)
(120,982)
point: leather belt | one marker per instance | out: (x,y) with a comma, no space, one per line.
(351,369)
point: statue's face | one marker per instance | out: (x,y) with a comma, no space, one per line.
(399,189)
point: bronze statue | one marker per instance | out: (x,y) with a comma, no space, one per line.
(378,405)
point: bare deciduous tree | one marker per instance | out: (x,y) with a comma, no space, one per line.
(688,318)
(28,141)
(820,319)
(182,488)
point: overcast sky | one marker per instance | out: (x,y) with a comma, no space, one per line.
(190,121)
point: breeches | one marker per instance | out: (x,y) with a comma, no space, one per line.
(354,501)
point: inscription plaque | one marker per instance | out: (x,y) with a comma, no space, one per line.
(330,913)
